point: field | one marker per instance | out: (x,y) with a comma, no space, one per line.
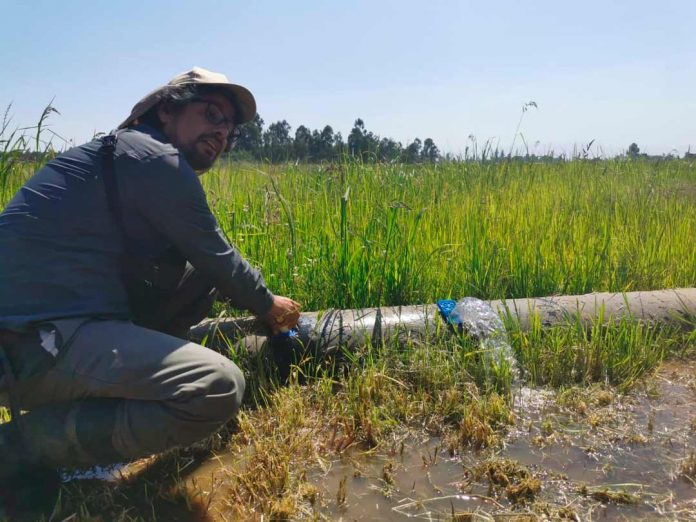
(377,234)
(354,235)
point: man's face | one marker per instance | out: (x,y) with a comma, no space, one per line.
(200,129)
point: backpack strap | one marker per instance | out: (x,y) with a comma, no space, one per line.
(106,152)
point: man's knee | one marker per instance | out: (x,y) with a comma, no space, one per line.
(232,384)
(223,394)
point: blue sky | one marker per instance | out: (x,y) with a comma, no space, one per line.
(612,71)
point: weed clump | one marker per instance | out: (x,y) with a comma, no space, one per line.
(523,491)
(480,424)
(519,484)
(502,472)
(607,495)
(604,397)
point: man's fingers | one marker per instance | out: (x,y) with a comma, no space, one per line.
(284,314)
(287,315)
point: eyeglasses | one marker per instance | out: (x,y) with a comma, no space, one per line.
(215,117)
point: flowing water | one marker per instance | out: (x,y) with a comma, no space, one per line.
(596,454)
(582,448)
(632,445)
(477,319)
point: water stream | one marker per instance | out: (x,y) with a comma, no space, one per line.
(634,444)
(477,319)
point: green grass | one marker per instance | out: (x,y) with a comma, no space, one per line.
(618,354)
(362,235)
(353,235)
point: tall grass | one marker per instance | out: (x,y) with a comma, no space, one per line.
(23,149)
(352,235)
(363,235)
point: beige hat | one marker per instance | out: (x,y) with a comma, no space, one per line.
(245,103)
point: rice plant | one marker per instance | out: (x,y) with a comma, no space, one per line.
(359,235)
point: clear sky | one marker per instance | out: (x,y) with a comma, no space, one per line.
(613,71)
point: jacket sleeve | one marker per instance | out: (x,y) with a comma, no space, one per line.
(168,194)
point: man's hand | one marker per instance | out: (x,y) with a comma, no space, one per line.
(283,315)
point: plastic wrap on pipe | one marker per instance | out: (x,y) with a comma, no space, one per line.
(321,334)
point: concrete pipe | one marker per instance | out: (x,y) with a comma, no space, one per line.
(321,334)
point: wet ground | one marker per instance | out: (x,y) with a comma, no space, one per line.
(596,456)
(578,454)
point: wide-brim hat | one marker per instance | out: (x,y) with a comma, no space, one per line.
(244,101)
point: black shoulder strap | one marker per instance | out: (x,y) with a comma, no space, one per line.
(106,151)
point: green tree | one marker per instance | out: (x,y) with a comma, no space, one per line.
(302,142)
(389,150)
(430,151)
(356,137)
(325,143)
(251,139)
(277,143)
(361,142)
(633,151)
(340,146)
(412,153)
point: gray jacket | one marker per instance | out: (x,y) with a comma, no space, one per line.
(61,249)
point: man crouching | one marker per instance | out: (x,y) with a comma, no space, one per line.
(108,255)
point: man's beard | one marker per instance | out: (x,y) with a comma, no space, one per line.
(199,161)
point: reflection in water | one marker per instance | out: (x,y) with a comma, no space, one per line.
(633,444)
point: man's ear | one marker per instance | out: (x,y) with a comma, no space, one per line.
(166,112)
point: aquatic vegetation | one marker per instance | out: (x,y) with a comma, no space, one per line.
(361,235)
(608,495)
(687,468)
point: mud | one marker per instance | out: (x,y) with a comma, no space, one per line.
(596,455)
(576,454)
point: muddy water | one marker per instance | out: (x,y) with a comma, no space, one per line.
(423,482)
(577,448)
(633,444)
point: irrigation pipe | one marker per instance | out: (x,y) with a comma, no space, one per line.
(325,332)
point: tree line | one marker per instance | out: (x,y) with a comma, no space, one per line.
(277,143)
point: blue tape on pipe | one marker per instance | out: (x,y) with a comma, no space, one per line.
(447,311)
(293,332)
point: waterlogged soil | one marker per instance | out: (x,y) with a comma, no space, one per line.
(575,454)
(579,455)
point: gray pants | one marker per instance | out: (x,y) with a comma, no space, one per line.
(119,391)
